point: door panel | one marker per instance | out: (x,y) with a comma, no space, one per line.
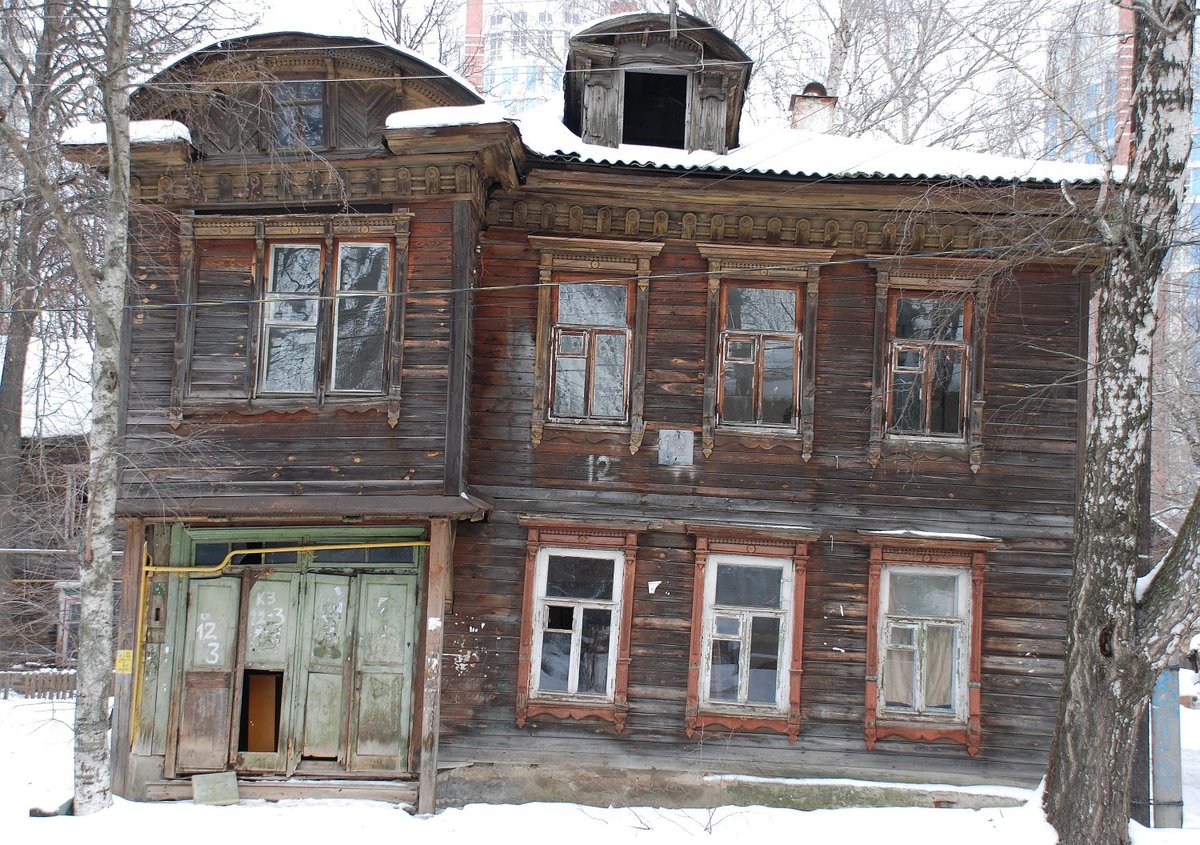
(324,657)
(384,640)
(266,678)
(206,698)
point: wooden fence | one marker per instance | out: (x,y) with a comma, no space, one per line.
(38,684)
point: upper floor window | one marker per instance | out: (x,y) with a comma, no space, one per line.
(927,390)
(299,114)
(590,365)
(351,305)
(760,354)
(577,611)
(747,624)
(927,363)
(761,349)
(306,311)
(590,371)
(655,109)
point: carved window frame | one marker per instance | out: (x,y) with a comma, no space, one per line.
(579,260)
(930,277)
(711,550)
(611,543)
(751,266)
(329,232)
(967,560)
(281,103)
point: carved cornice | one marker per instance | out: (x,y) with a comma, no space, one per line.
(783,263)
(304,226)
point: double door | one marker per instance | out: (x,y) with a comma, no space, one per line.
(290,673)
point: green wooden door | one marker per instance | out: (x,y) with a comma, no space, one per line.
(324,658)
(266,678)
(384,643)
(206,697)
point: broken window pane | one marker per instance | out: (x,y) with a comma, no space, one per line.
(723,670)
(594,651)
(579,577)
(291,360)
(760,309)
(764,659)
(923,594)
(748,586)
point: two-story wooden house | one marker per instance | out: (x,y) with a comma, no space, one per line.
(540,458)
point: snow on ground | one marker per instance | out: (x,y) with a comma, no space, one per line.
(35,771)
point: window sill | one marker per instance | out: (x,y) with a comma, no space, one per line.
(574,709)
(913,445)
(964,733)
(284,404)
(745,721)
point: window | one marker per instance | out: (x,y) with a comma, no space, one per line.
(928,377)
(760,349)
(655,109)
(299,114)
(575,635)
(927,360)
(761,376)
(923,660)
(353,303)
(319,302)
(746,635)
(591,343)
(591,351)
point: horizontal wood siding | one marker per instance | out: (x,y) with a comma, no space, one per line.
(1023,495)
(225,447)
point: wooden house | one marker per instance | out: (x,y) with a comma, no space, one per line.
(500,460)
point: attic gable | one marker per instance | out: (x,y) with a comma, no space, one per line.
(639,79)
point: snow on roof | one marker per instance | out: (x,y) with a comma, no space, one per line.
(930,535)
(258,32)
(797,152)
(447,116)
(140,132)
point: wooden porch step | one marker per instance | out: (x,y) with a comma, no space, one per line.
(279,789)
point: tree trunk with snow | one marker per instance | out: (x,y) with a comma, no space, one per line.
(1119,640)
(93,780)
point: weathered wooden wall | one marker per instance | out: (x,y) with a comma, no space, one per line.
(226,449)
(1023,496)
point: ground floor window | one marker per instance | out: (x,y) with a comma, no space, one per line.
(578,593)
(925,604)
(747,626)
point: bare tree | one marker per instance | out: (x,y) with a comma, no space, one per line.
(1122,635)
(429,27)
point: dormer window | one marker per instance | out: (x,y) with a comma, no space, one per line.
(655,110)
(629,81)
(300,114)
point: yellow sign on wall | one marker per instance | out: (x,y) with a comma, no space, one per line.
(124,662)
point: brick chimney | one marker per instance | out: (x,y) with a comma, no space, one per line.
(813,109)
(473,43)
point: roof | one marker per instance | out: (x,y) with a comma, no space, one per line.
(223,45)
(802,153)
(140,132)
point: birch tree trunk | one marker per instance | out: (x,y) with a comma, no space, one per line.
(93,777)
(1116,642)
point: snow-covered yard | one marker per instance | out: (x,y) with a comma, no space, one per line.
(35,771)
